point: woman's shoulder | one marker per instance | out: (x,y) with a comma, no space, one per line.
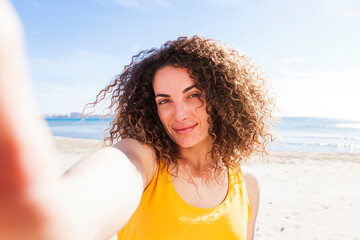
(248,174)
(141,155)
(252,188)
(251,180)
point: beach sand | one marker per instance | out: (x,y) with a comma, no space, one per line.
(303,195)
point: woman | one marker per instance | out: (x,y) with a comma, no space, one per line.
(188,114)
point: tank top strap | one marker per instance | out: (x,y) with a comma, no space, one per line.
(237,182)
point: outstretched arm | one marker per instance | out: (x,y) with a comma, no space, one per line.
(92,200)
(103,190)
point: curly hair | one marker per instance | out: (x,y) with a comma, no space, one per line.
(239,103)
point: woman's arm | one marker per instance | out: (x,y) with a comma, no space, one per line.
(253,191)
(93,200)
(103,190)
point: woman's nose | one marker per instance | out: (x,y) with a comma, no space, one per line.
(181,112)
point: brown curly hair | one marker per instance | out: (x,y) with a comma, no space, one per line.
(239,104)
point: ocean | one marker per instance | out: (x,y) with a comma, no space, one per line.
(302,134)
(317,135)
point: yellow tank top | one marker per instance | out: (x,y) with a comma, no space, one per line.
(163,214)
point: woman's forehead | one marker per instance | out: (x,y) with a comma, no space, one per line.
(171,79)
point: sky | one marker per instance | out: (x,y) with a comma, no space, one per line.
(310,49)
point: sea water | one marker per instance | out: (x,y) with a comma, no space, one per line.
(293,133)
(92,128)
(317,135)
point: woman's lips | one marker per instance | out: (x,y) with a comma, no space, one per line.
(184,130)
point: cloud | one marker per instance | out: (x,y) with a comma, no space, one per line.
(136,4)
(351,14)
(54,90)
(327,94)
(294,59)
(63,92)
(286,73)
(76,63)
(142,4)
(232,3)
(349,74)
(162,3)
(346,9)
(32,2)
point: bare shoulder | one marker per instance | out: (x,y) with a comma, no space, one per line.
(141,155)
(250,178)
(252,187)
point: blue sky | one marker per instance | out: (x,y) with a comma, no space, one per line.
(310,49)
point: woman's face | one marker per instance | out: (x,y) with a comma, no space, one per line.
(181,107)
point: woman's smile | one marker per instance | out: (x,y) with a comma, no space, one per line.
(185,129)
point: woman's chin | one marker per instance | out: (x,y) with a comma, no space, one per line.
(189,143)
(185,144)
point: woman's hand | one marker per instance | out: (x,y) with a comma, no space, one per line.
(26,151)
(92,200)
(24,136)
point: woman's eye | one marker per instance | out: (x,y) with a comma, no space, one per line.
(163,101)
(194,95)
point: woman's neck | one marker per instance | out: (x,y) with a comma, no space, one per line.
(196,166)
(198,157)
(197,162)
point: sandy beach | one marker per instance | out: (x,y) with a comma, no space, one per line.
(303,195)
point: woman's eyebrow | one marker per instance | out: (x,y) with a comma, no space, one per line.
(161,95)
(189,88)
(185,90)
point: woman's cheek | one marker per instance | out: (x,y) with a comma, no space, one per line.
(163,117)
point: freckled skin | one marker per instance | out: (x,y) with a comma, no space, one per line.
(180,110)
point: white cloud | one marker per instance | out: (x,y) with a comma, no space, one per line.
(162,3)
(74,63)
(347,9)
(142,4)
(55,90)
(326,94)
(34,3)
(293,59)
(291,74)
(226,2)
(136,4)
(146,4)
(351,14)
